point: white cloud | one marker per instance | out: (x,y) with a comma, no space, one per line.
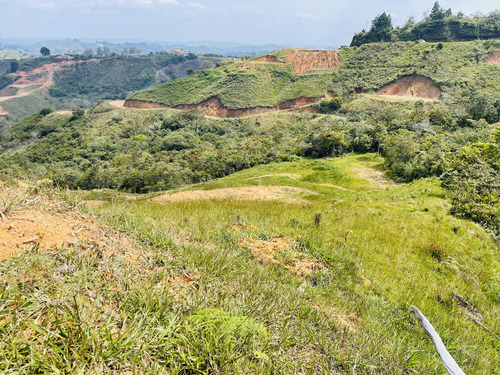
(198,5)
(52,4)
(44,5)
(307,16)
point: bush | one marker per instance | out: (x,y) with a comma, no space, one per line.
(330,106)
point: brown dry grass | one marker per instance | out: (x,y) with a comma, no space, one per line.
(266,193)
(281,250)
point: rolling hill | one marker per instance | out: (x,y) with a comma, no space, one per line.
(275,80)
(274,215)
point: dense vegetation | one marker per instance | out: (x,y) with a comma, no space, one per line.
(110,78)
(142,151)
(439,26)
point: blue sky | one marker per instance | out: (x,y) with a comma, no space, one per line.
(296,23)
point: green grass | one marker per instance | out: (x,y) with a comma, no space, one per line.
(455,67)
(399,237)
(6,54)
(23,106)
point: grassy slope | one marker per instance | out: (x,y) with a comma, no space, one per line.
(399,237)
(7,54)
(23,106)
(455,67)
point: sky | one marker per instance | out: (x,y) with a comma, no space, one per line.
(326,23)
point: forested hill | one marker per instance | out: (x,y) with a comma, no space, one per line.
(439,26)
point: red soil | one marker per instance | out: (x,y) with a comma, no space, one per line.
(412,87)
(494,58)
(305,60)
(214,107)
(268,59)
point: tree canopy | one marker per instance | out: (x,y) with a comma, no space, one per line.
(45,51)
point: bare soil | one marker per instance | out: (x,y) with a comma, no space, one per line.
(305,60)
(264,193)
(281,250)
(412,87)
(213,107)
(494,58)
(41,222)
(268,59)
(45,230)
(378,178)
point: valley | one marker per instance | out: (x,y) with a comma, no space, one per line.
(175,213)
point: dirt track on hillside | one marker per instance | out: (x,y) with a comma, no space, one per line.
(39,79)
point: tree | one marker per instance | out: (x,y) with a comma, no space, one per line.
(438,13)
(382,27)
(45,51)
(134,50)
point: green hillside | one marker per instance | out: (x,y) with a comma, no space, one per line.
(274,243)
(10,55)
(319,280)
(454,67)
(84,81)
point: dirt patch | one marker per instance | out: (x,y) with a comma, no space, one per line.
(117,103)
(305,60)
(494,58)
(412,87)
(95,203)
(349,322)
(181,284)
(213,107)
(263,193)
(30,228)
(3,111)
(282,250)
(268,59)
(377,177)
(289,175)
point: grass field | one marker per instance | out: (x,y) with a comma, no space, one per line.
(203,298)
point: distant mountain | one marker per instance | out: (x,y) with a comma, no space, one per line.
(69,45)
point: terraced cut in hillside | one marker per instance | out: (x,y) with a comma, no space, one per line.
(213,107)
(412,87)
(305,60)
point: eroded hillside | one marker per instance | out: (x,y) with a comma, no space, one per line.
(406,70)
